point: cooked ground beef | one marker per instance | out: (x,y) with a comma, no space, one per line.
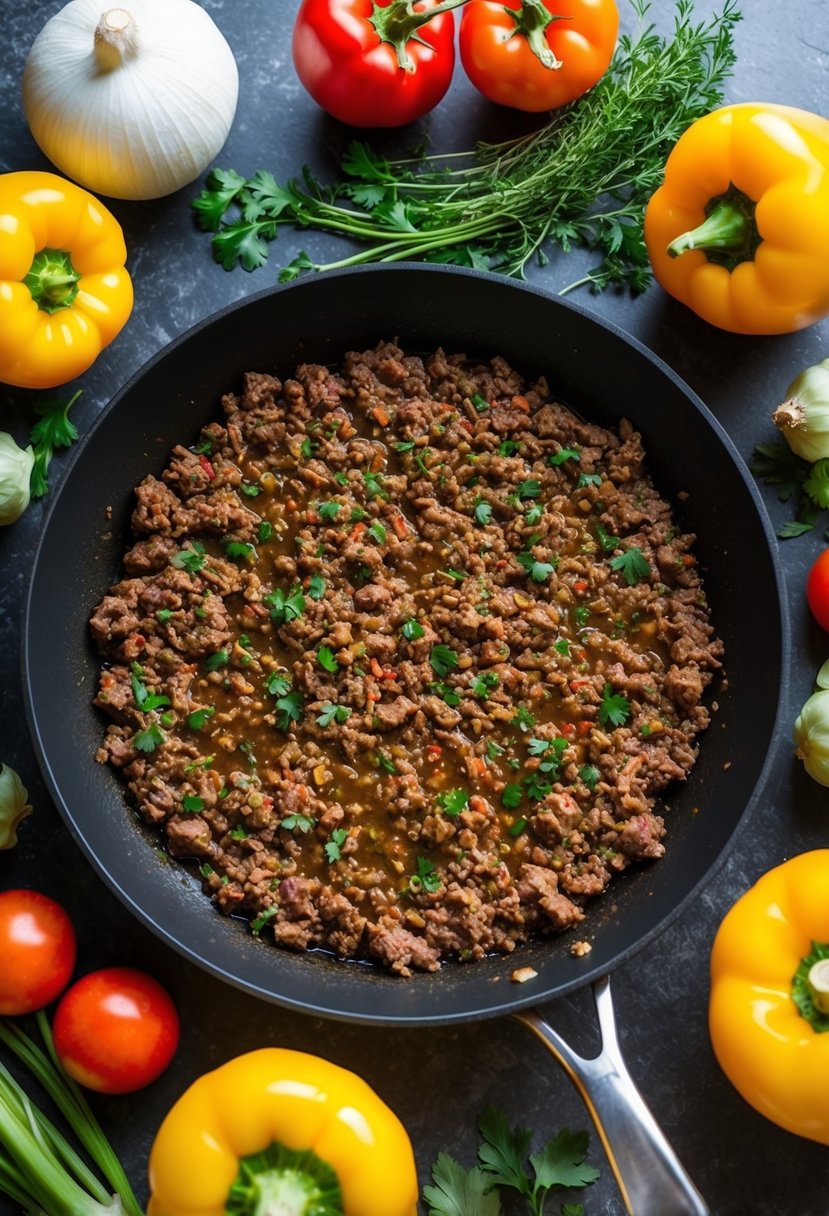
(403,656)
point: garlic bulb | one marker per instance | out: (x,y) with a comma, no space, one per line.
(804,415)
(15,478)
(132,102)
(811,735)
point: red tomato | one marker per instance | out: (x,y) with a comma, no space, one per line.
(37,951)
(498,56)
(115,1030)
(356,75)
(817,589)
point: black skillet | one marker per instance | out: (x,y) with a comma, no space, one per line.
(605,376)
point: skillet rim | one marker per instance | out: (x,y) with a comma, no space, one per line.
(482,1009)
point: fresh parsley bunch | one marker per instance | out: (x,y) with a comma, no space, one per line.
(506,1164)
(806,485)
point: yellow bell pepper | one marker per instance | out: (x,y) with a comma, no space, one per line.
(769,1006)
(739,230)
(280,1131)
(64,291)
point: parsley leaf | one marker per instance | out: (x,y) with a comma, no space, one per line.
(191,558)
(265,531)
(303,822)
(561,1162)
(222,187)
(816,484)
(607,542)
(523,718)
(460,1192)
(145,700)
(217,660)
(443,659)
(148,740)
(453,802)
(614,709)
(334,845)
(192,804)
(589,774)
(316,586)
(240,549)
(284,608)
(486,683)
(258,924)
(482,512)
(333,713)
(588,479)
(329,510)
(377,531)
(291,709)
(326,660)
(197,720)
(529,489)
(534,513)
(633,564)
(538,571)
(426,879)
(277,684)
(508,447)
(512,796)
(564,455)
(777,465)
(384,761)
(412,630)
(54,430)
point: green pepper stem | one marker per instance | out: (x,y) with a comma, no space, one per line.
(728,234)
(398,24)
(284,1182)
(531,21)
(52,280)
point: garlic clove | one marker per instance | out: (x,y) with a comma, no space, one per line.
(803,418)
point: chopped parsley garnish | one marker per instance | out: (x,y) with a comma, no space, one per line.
(205,448)
(482,512)
(589,774)
(145,700)
(633,565)
(377,532)
(562,646)
(485,683)
(277,684)
(512,796)
(163,615)
(538,571)
(284,607)
(258,924)
(589,479)
(240,549)
(607,542)
(534,513)
(374,485)
(523,719)
(192,804)
(303,823)
(614,709)
(307,447)
(457,576)
(405,445)
(191,558)
(341,478)
(508,447)
(335,844)
(265,531)
(383,760)
(563,455)
(481,404)
(412,629)
(518,827)
(333,713)
(426,879)
(197,720)
(217,660)
(420,461)
(329,510)
(493,750)
(581,615)
(443,659)
(290,707)
(316,586)
(326,660)
(453,802)
(148,740)
(447,694)
(529,489)
(357,513)
(250,490)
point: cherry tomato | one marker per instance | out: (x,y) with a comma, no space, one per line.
(817,589)
(503,43)
(363,79)
(37,951)
(115,1030)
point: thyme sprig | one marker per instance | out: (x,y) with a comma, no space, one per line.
(583,179)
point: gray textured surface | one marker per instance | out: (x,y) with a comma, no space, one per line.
(438,1079)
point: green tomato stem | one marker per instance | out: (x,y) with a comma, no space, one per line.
(531,21)
(398,24)
(52,280)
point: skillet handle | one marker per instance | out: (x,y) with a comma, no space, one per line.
(650,1176)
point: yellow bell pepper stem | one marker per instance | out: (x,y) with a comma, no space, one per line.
(64,289)
(276,1132)
(818,981)
(728,234)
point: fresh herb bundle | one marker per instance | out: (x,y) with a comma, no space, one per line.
(583,179)
(805,485)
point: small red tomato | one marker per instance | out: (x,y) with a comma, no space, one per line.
(817,589)
(115,1030)
(37,951)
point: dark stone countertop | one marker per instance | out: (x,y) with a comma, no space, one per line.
(439,1078)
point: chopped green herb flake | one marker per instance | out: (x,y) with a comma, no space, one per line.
(301,823)
(290,707)
(512,796)
(482,511)
(564,455)
(192,804)
(316,586)
(412,630)
(333,713)
(284,608)
(614,709)
(486,683)
(191,558)
(163,615)
(443,659)
(426,879)
(148,740)
(334,845)
(633,564)
(258,924)
(453,802)
(326,660)
(217,660)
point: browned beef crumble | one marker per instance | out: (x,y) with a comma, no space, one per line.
(428,646)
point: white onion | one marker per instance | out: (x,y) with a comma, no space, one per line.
(132,101)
